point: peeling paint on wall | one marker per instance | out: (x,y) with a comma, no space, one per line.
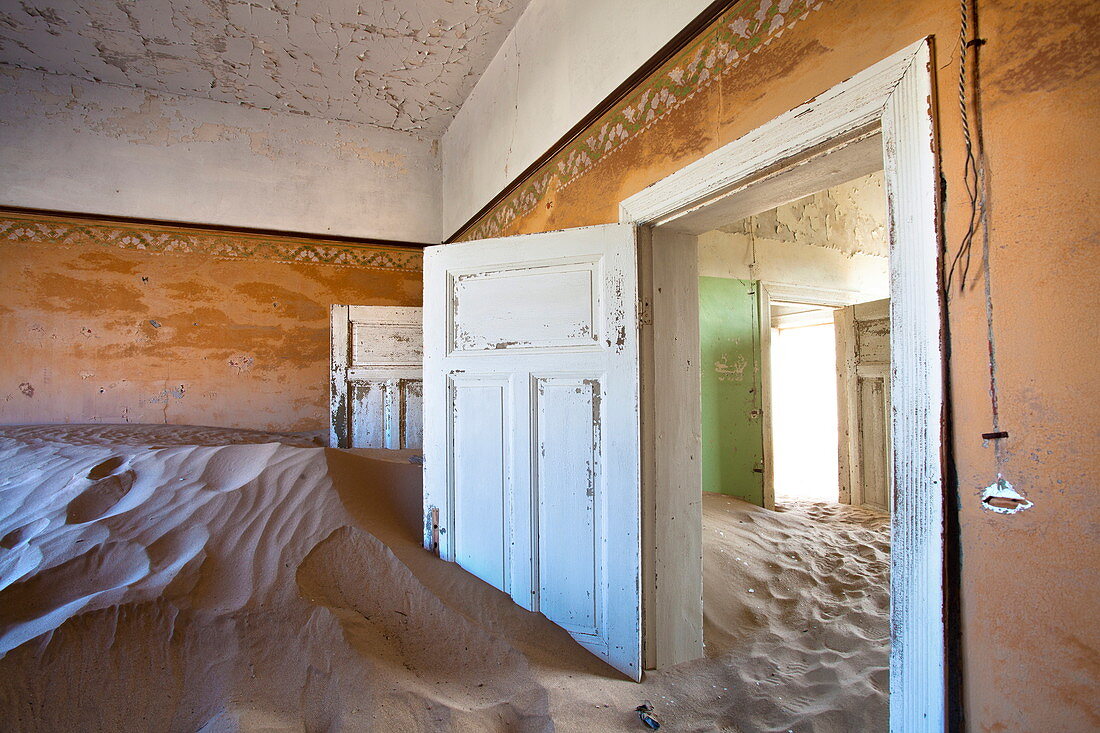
(834,239)
(727,372)
(162,397)
(849,218)
(78,319)
(241,363)
(404,65)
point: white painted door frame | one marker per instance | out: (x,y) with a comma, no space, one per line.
(893,96)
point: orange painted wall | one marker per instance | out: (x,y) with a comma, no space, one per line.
(222,329)
(1031,643)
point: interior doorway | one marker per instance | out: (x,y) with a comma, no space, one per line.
(804,423)
(879,119)
(772,384)
(787,588)
(793,330)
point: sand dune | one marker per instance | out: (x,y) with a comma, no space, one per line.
(163,578)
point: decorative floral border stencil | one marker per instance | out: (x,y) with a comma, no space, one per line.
(43,229)
(741,31)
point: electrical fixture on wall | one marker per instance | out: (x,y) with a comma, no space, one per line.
(999,496)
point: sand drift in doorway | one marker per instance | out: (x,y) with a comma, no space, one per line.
(741,31)
(49,230)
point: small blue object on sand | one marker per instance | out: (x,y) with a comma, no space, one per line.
(645,713)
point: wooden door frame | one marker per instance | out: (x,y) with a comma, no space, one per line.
(848,402)
(894,96)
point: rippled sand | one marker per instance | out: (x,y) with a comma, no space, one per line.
(166,578)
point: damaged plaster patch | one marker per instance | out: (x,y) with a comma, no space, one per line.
(241,363)
(161,398)
(731,372)
(849,218)
(1002,498)
(402,64)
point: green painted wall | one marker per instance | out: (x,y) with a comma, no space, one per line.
(733,437)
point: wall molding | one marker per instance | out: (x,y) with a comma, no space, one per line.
(68,230)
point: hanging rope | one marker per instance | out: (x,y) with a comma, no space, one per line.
(970,165)
(974,180)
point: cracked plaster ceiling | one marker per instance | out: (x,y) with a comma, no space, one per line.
(400,64)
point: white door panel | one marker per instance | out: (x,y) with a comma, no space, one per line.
(863,404)
(567,460)
(531,431)
(480,467)
(375,393)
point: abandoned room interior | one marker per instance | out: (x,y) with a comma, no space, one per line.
(532,365)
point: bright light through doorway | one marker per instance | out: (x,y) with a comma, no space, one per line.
(804,411)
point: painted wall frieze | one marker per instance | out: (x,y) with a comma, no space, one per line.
(49,230)
(743,30)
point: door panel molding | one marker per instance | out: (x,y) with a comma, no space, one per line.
(375,376)
(479,494)
(554,316)
(568,493)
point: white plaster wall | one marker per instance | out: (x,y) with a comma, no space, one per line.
(833,239)
(561,59)
(71,145)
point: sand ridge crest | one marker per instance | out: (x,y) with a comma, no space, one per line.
(155,579)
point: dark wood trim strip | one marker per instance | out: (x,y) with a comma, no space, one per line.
(221,228)
(670,49)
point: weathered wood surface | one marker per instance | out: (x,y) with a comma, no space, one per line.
(532,427)
(376,382)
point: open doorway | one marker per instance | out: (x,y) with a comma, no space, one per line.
(795,579)
(877,120)
(771,382)
(803,403)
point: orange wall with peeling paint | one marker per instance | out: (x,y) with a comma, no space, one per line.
(1029,590)
(95,330)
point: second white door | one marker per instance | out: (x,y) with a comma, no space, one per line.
(531,388)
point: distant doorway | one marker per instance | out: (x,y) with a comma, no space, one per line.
(804,403)
(794,376)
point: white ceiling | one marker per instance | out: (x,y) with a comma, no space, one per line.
(401,64)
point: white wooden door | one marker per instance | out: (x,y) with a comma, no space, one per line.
(863,404)
(375,385)
(531,389)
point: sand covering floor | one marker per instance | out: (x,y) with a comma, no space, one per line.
(161,578)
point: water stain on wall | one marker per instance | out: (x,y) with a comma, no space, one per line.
(1057,46)
(122,335)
